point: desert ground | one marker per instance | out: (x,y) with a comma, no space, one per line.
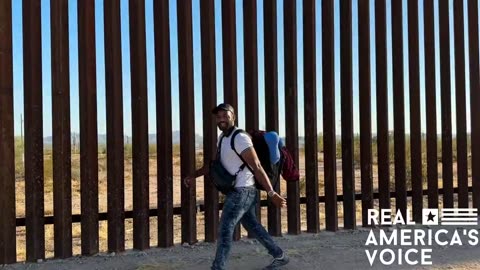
(325,250)
(308,251)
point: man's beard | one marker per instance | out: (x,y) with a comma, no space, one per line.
(223,126)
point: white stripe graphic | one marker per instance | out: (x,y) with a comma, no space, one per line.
(459,219)
(459,223)
(459,214)
(469,210)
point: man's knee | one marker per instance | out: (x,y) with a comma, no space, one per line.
(226,229)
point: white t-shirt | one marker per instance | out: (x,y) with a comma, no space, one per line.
(232,162)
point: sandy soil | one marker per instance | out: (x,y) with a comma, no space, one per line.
(326,250)
(171,257)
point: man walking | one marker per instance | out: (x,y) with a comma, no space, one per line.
(240,203)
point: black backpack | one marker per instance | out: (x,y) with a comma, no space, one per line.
(221,178)
(261,148)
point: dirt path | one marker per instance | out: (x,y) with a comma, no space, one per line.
(326,250)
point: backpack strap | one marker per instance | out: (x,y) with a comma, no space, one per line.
(219,148)
(232,144)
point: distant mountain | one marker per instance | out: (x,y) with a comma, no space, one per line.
(152,139)
(75,139)
(102,139)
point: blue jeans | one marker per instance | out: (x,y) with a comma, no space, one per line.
(240,206)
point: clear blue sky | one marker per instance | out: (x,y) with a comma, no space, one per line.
(46,61)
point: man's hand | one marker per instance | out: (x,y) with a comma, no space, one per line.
(200,172)
(278,200)
(188,180)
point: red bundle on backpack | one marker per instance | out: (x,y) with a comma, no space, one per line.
(289,169)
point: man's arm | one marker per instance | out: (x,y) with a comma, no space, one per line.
(200,172)
(251,158)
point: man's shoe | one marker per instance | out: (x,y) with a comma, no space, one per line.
(277,262)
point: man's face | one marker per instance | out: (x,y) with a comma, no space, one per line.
(225,120)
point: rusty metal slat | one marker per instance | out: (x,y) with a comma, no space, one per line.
(310,90)
(251,64)
(415,127)
(291,91)
(462,161)
(431,104)
(88,126)
(114,106)
(164,123)
(209,90)
(138,63)
(348,173)
(230,63)
(251,73)
(399,107)
(271,95)
(271,64)
(474,98)
(446,113)
(329,137)
(187,118)
(382,104)
(365,108)
(34,178)
(229,53)
(7,141)
(291,127)
(61,129)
